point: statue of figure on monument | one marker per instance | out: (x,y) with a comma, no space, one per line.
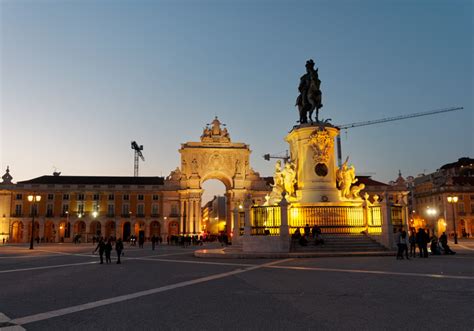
(289,178)
(310,97)
(284,180)
(346,177)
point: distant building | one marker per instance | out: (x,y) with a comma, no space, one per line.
(431,192)
(214,215)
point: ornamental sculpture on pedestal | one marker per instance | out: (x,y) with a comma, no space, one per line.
(322,144)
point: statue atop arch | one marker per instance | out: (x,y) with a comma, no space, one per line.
(214,133)
(310,94)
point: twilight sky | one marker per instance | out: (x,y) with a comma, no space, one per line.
(81,79)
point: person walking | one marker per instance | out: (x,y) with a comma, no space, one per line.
(399,245)
(412,241)
(422,242)
(119,249)
(101,248)
(108,251)
(404,241)
(153,242)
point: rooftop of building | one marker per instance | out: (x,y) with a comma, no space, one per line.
(95,180)
(462,162)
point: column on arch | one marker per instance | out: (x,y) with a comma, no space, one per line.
(191,216)
(181,216)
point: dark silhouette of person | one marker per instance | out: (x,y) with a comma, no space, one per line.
(153,242)
(307,231)
(108,250)
(101,248)
(422,242)
(119,249)
(443,239)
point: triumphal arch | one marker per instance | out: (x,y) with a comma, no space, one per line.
(215,156)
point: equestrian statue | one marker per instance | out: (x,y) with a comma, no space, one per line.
(310,94)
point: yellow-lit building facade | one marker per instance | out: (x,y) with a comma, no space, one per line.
(431,206)
(84,206)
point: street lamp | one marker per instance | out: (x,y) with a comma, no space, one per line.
(34,199)
(453,200)
(432,213)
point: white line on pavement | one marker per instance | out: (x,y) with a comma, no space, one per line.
(47,267)
(11,327)
(197,262)
(100,303)
(377,272)
(465,247)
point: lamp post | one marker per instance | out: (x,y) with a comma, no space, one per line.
(453,200)
(432,213)
(34,199)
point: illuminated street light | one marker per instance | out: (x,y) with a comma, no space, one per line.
(94,214)
(453,200)
(34,199)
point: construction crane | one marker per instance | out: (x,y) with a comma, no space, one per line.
(383,120)
(286,158)
(138,153)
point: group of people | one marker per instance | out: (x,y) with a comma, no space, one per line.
(421,239)
(106,247)
(313,233)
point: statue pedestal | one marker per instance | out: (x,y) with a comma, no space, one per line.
(312,149)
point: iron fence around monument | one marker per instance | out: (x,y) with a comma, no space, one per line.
(375,220)
(397,217)
(331,219)
(266,220)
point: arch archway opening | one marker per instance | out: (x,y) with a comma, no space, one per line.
(214,206)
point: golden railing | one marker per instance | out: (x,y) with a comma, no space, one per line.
(375,220)
(397,217)
(266,221)
(331,220)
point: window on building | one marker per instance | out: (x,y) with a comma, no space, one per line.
(154,210)
(472,208)
(50,196)
(18,210)
(111,197)
(141,209)
(19,196)
(96,197)
(155,197)
(95,206)
(110,210)
(65,209)
(66,196)
(49,210)
(471,197)
(174,209)
(80,196)
(460,207)
(140,197)
(125,210)
(80,208)
(126,197)
(34,210)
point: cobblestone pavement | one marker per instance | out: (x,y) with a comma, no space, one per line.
(63,287)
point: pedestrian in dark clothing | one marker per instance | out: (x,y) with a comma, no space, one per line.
(443,239)
(412,240)
(399,245)
(153,242)
(101,248)
(422,242)
(119,249)
(108,250)
(307,231)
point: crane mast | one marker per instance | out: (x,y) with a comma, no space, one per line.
(138,154)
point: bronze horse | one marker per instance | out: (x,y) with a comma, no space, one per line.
(310,94)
